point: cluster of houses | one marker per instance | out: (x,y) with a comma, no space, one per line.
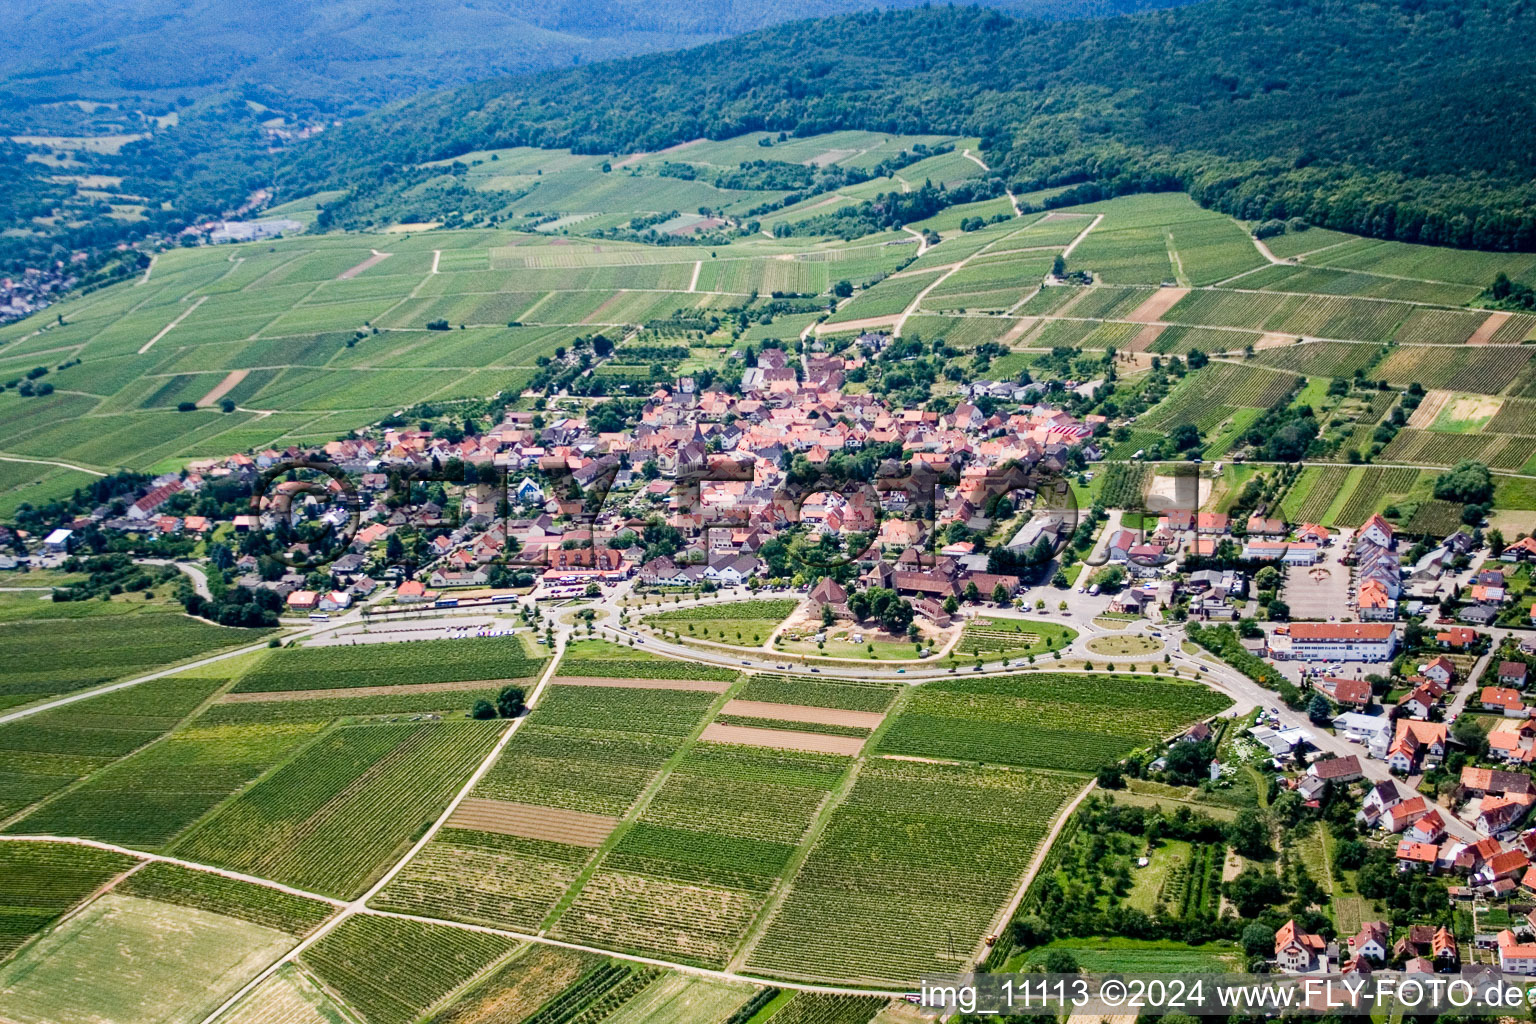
(1423,949)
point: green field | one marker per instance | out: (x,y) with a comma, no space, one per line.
(136,961)
(331,819)
(473,659)
(392,971)
(1012,637)
(738,621)
(1046,721)
(944,844)
(114,640)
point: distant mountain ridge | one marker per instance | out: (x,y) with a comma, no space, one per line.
(348,55)
(1408,120)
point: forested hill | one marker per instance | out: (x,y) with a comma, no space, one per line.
(1408,120)
(349,55)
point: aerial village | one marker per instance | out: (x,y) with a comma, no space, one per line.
(1385,644)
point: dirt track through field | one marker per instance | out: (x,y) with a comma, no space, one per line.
(1159,303)
(704,685)
(222,388)
(783,739)
(552,824)
(269,696)
(371,261)
(802,713)
(1487,329)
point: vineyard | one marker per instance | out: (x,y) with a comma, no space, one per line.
(1013,637)
(817,693)
(258,904)
(103,648)
(42,754)
(1193,889)
(393,971)
(692,873)
(332,817)
(1482,370)
(147,798)
(1125,485)
(917,853)
(584,748)
(1208,397)
(1312,493)
(39,882)
(1434,518)
(526,981)
(1321,358)
(1433,448)
(1373,488)
(392,664)
(599,659)
(1065,722)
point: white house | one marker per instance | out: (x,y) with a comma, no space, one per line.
(1375,731)
(1335,641)
(1299,952)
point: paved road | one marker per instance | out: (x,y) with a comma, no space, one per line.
(194,573)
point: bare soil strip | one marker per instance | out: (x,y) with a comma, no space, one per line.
(168,328)
(1485,332)
(802,713)
(222,388)
(867,324)
(635,158)
(1018,330)
(1274,341)
(607,303)
(371,261)
(704,685)
(1145,337)
(783,739)
(1160,302)
(269,696)
(1429,409)
(553,824)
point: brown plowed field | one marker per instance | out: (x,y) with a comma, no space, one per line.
(802,713)
(783,739)
(1160,302)
(704,685)
(222,388)
(263,697)
(1145,337)
(552,824)
(1488,329)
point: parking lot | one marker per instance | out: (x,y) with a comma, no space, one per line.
(1321,592)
